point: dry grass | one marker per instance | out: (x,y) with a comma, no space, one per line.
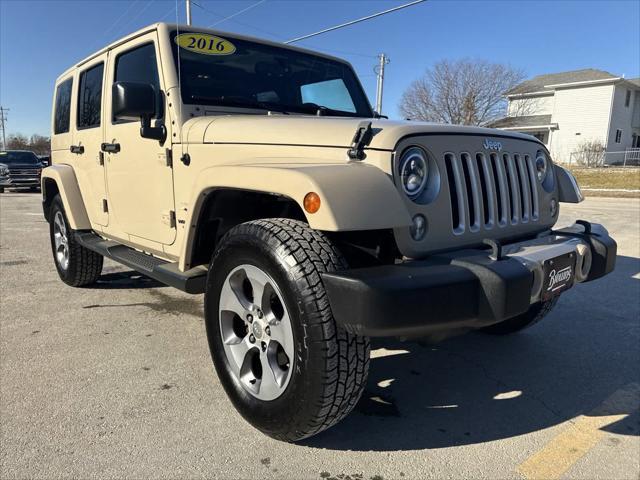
(595,182)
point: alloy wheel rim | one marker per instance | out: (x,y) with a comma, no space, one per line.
(256,332)
(61,241)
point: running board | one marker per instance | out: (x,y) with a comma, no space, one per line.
(191,281)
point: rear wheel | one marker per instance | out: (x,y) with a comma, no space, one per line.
(76,265)
(529,318)
(287,367)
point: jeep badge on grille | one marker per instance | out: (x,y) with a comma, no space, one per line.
(492,145)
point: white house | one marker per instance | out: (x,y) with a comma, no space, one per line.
(566,109)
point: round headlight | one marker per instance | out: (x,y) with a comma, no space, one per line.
(414,171)
(542,165)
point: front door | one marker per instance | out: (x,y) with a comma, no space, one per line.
(89,124)
(139,178)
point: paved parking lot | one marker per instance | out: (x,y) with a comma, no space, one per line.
(116,381)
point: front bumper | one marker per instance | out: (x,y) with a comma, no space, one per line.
(8,182)
(462,290)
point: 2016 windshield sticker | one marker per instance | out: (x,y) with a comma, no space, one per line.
(205,44)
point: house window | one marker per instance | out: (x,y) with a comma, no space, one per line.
(618,135)
(627,99)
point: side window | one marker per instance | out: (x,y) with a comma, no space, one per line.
(627,98)
(63,107)
(332,94)
(90,97)
(139,65)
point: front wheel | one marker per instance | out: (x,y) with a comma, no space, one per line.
(77,266)
(287,367)
(527,319)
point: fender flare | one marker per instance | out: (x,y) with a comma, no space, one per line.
(568,188)
(67,186)
(354,196)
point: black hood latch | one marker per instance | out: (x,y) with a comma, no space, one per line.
(362,139)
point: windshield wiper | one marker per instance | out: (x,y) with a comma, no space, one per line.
(321,110)
(232,101)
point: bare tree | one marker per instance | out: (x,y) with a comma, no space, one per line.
(37,143)
(523,106)
(40,145)
(17,141)
(464,92)
(589,153)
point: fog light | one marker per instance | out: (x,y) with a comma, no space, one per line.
(553,207)
(419,227)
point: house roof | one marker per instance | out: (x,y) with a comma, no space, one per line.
(540,83)
(635,81)
(521,122)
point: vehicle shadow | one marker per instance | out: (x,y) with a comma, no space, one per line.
(124,281)
(477,388)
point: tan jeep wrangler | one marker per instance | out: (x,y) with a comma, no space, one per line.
(258,174)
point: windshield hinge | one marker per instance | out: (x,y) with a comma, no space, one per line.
(362,138)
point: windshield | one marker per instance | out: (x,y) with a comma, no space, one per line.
(239,73)
(19,158)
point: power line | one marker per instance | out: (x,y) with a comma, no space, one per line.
(253,27)
(135,17)
(120,18)
(279,37)
(353,22)
(339,52)
(171,10)
(253,5)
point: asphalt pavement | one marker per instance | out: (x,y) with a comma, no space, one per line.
(116,381)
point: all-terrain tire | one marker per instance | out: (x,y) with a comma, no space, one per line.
(330,365)
(529,318)
(84,266)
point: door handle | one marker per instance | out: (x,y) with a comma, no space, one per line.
(110,147)
(79,149)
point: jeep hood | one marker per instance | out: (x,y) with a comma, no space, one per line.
(315,131)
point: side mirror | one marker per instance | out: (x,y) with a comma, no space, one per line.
(132,101)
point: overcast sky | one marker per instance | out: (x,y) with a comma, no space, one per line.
(40,39)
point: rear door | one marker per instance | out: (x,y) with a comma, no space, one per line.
(88,137)
(139,178)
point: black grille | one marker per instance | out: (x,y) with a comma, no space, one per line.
(491,190)
(24,172)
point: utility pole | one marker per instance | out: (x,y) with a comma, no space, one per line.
(379,70)
(3,119)
(188,2)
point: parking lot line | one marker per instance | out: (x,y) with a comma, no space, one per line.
(580,436)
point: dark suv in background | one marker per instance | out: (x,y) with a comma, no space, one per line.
(19,169)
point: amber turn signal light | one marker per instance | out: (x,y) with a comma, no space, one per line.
(312,202)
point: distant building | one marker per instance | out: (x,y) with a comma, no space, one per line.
(565,110)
